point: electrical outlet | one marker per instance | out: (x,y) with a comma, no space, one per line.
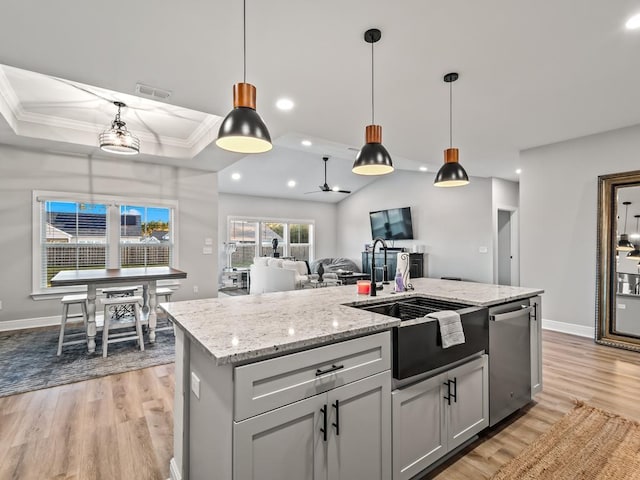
(195,289)
(208,241)
(483,250)
(207,251)
(622,306)
(195,385)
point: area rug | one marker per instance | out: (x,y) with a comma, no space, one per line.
(28,360)
(586,444)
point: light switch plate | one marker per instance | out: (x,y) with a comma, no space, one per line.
(208,241)
(483,250)
(195,385)
(207,250)
(622,306)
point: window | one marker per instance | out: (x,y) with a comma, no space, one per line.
(77,231)
(248,238)
(75,237)
(241,247)
(145,236)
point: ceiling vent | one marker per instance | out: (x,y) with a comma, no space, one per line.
(153,92)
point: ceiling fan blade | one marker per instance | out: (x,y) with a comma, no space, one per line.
(343,191)
(315,191)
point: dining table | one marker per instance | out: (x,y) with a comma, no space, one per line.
(92,278)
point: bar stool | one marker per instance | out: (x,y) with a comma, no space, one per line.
(116,303)
(67,300)
(166,293)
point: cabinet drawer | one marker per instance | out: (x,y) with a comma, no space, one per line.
(263,386)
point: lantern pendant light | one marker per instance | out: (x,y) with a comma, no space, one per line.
(118,139)
(373,158)
(635,253)
(243,130)
(451,174)
(624,245)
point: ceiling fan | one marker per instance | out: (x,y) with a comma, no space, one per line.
(325,187)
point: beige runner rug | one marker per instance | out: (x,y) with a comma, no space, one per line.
(586,444)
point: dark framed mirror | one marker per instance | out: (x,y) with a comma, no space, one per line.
(618,261)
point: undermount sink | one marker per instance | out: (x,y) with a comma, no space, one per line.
(409,308)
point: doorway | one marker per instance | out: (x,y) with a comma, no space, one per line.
(506,237)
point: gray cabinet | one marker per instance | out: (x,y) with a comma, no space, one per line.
(536,345)
(342,434)
(436,415)
(281,444)
(416,264)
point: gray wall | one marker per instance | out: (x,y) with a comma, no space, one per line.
(452,223)
(22,171)
(558,206)
(324,215)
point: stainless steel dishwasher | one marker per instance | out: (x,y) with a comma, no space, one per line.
(509,359)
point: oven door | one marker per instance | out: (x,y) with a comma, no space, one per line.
(509,359)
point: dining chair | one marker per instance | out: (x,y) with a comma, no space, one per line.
(110,306)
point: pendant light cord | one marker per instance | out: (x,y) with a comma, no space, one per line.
(373,115)
(450,114)
(244,35)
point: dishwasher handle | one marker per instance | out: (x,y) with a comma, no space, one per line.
(499,317)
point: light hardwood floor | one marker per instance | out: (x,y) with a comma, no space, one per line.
(120,427)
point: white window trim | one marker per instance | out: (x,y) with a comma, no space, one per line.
(286,221)
(40,293)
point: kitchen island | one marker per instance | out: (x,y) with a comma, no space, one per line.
(276,381)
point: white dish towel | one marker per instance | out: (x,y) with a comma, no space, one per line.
(450,327)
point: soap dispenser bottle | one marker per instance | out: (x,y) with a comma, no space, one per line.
(399,284)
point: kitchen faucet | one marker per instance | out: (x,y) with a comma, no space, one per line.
(372,291)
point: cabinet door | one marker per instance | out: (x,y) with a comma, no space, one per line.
(419,431)
(536,346)
(468,412)
(360,423)
(283,444)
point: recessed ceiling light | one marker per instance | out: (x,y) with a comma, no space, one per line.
(519,171)
(291,183)
(423,169)
(306,143)
(236,176)
(285,104)
(633,22)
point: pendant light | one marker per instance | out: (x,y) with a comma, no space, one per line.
(118,139)
(451,174)
(624,245)
(243,130)
(373,158)
(635,253)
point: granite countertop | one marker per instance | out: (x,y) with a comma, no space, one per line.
(244,328)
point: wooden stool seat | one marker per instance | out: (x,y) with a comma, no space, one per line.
(132,302)
(67,300)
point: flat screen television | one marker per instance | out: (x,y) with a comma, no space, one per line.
(392,224)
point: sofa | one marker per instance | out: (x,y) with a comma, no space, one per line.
(277,275)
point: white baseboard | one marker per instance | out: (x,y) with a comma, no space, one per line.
(29,323)
(571,328)
(174,472)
